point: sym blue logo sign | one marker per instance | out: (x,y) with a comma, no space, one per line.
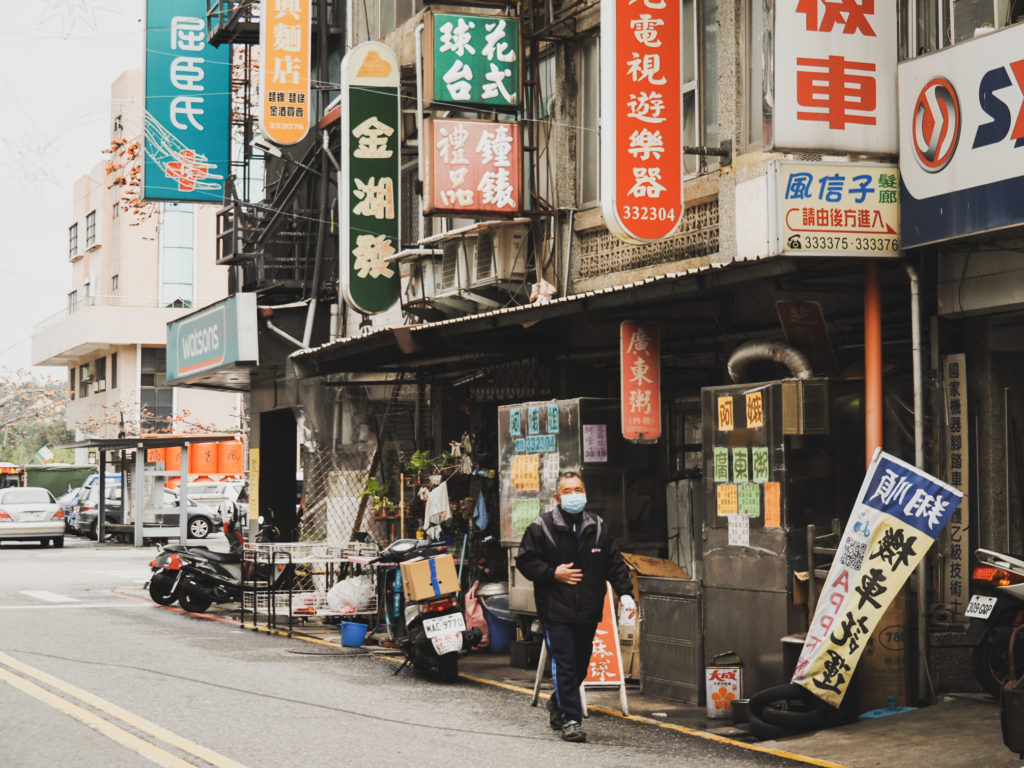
(962,139)
(936,124)
(994,81)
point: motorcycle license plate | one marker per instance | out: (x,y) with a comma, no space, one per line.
(445,632)
(444,625)
(980,607)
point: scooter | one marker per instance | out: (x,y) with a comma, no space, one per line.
(431,633)
(995,608)
(196,577)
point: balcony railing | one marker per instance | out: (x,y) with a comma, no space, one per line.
(135,302)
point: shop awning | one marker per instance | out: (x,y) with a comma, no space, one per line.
(513,333)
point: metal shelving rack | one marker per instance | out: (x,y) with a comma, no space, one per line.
(301,574)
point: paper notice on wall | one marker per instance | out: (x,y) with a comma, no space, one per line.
(740,465)
(721,456)
(550,471)
(749,499)
(772,506)
(595,443)
(755,411)
(727,501)
(760,464)
(725,415)
(524,512)
(739,531)
(526,472)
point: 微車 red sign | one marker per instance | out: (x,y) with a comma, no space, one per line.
(641,119)
(640,357)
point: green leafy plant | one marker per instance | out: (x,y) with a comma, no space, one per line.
(419,463)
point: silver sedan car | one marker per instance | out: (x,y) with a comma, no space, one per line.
(28,514)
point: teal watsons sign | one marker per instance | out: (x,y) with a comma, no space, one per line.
(188,100)
(213,338)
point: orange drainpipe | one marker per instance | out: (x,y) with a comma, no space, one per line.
(872,357)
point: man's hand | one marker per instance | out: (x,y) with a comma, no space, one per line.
(566,574)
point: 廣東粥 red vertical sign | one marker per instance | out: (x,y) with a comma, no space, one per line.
(640,358)
(641,118)
(835,75)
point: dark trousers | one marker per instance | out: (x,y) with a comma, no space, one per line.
(569,646)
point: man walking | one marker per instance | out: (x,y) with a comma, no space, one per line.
(568,554)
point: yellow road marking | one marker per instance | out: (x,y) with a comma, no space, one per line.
(128,718)
(108,729)
(672,727)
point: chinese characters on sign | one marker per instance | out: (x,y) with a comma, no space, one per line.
(605,656)
(187,105)
(836,210)
(742,468)
(835,75)
(898,514)
(285,67)
(956,541)
(641,118)
(368,183)
(474,166)
(472,60)
(640,373)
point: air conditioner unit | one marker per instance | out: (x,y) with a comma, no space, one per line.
(500,256)
(100,385)
(450,277)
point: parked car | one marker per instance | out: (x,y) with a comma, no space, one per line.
(68,505)
(31,513)
(215,494)
(201,519)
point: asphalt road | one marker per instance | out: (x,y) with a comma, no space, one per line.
(92,673)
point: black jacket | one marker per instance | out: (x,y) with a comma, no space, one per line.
(549,542)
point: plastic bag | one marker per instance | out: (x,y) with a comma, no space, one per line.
(475,615)
(351,595)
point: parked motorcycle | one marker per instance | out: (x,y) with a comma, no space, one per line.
(197,577)
(431,633)
(995,608)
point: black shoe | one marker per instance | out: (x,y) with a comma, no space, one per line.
(554,716)
(573,731)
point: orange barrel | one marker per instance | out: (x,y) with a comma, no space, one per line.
(155,455)
(229,457)
(202,459)
(172,458)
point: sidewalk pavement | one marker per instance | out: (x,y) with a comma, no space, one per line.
(961,731)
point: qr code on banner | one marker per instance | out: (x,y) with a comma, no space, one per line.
(852,555)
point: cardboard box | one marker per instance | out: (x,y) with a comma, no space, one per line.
(424,578)
(629,636)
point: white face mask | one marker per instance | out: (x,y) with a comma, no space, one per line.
(574,503)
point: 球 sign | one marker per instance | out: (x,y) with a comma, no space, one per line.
(641,119)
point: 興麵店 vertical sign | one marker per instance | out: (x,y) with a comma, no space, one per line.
(472,60)
(368,184)
(641,118)
(285,67)
(835,75)
(186,147)
(640,360)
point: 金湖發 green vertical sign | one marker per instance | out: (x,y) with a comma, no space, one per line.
(370,177)
(473,60)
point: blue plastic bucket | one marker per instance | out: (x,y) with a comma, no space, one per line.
(353,634)
(499,623)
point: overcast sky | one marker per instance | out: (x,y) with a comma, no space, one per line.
(57,61)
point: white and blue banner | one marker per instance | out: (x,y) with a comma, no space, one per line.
(899,513)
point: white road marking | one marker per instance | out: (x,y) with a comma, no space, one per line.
(50,597)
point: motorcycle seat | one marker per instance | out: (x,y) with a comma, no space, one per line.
(218,557)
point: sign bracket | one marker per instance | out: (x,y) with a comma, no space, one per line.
(724,151)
